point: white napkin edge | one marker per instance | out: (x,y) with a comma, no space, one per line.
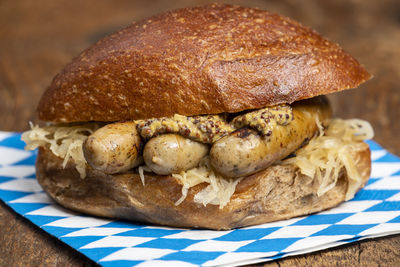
(305,250)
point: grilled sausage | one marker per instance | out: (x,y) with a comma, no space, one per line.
(172,153)
(245,151)
(113,148)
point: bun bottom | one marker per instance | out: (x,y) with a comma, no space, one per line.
(277,193)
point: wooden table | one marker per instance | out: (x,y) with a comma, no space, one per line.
(38,37)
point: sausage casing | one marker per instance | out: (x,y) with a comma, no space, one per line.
(172,153)
(113,148)
(245,152)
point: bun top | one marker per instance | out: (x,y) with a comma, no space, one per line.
(200,60)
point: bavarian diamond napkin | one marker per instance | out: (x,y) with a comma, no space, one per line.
(375,211)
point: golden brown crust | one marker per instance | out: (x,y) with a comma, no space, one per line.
(276,193)
(202,60)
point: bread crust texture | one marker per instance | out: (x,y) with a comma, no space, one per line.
(277,193)
(200,60)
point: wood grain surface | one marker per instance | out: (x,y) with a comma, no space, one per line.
(38,37)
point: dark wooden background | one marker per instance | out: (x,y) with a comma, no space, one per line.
(38,37)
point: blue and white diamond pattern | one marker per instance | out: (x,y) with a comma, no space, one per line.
(375,211)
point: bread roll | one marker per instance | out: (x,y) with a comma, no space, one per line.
(194,61)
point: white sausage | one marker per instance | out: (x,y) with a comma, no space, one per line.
(245,152)
(113,148)
(172,153)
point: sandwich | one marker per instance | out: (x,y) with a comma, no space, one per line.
(205,117)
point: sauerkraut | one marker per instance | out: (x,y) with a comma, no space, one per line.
(218,191)
(141,170)
(64,141)
(326,155)
(323,158)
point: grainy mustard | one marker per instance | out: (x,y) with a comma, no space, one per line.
(205,129)
(264,120)
(210,128)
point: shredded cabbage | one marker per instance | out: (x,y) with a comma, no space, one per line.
(64,141)
(327,154)
(323,158)
(218,191)
(141,170)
